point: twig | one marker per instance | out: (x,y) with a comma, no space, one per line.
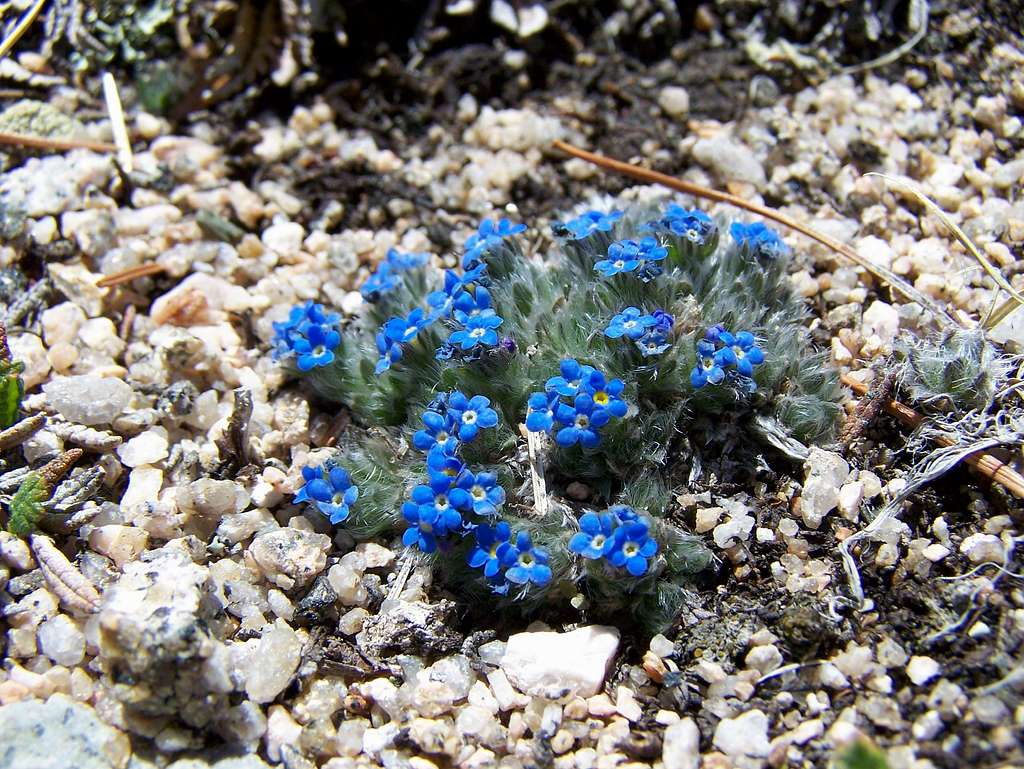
(53,143)
(868,409)
(986,464)
(654,177)
(117,124)
(132,273)
(21,28)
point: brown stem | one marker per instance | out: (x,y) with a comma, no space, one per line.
(53,143)
(984,463)
(132,273)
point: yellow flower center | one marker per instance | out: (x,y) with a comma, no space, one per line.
(601,398)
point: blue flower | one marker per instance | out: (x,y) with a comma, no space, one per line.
(441,301)
(316,348)
(488,542)
(572,374)
(470,414)
(330,490)
(605,394)
(490,234)
(629,255)
(653,343)
(469,305)
(582,420)
(404,330)
(524,563)
(632,547)
(478,331)
(714,333)
(446,500)
(663,321)
(440,431)
(390,352)
(631,322)
(721,353)
(711,364)
(387,275)
(426,524)
(746,353)
(310,333)
(594,539)
(623,256)
(759,240)
(623,514)
(484,493)
(540,415)
(692,224)
(586,224)
(443,462)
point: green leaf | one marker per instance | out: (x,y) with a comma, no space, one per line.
(27,505)
(12,389)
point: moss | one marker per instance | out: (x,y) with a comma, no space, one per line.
(38,118)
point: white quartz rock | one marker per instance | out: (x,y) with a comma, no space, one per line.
(550,664)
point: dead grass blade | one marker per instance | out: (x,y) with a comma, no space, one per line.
(53,143)
(21,28)
(990,269)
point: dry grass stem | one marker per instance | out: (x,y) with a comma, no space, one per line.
(990,269)
(53,143)
(21,28)
(117,124)
(132,273)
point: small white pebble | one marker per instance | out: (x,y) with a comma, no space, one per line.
(921,670)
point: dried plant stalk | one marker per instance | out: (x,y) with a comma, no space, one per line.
(21,431)
(132,273)
(74,591)
(986,464)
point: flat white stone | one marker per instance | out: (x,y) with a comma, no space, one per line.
(681,745)
(745,735)
(921,670)
(550,664)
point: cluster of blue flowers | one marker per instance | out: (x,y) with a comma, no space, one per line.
(649,331)
(387,276)
(758,240)
(722,355)
(639,256)
(464,301)
(329,489)
(310,334)
(586,224)
(619,536)
(491,234)
(495,552)
(593,402)
(690,224)
(436,508)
